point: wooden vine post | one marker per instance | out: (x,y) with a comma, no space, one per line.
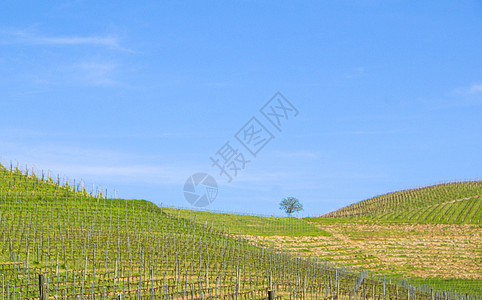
(43,288)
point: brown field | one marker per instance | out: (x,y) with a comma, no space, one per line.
(425,250)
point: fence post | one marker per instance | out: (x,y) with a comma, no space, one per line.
(43,288)
(270,295)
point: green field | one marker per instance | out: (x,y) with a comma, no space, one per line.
(448,203)
(392,244)
(250,225)
(90,247)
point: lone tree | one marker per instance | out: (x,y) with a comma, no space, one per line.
(290,205)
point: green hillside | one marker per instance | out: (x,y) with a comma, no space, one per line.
(250,225)
(90,247)
(425,253)
(449,203)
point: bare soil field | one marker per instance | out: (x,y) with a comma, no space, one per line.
(424,250)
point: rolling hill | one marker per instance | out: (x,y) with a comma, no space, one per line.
(448,203)
(89,247)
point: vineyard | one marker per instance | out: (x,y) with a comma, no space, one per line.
(443,255)
(251,225)
(61,242)
(449,203)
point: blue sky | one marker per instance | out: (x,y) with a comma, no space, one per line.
(137,96)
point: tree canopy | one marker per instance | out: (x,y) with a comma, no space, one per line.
(290,205)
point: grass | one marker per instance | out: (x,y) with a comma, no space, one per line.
(436,283)
(448,203)
(251,225)
(399,250)
(93,247)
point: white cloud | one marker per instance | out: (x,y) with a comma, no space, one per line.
(475,88)
(85,73)
(100,74)
(99,41)
(24,37)
(297,154)
(93,68)
(465,96)
(153,174)
(25,134)
(110,168)
(371,132)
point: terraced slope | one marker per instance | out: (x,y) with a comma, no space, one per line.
(436,244)
(441,255)
(397,249)
(449,203)
(90,247)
